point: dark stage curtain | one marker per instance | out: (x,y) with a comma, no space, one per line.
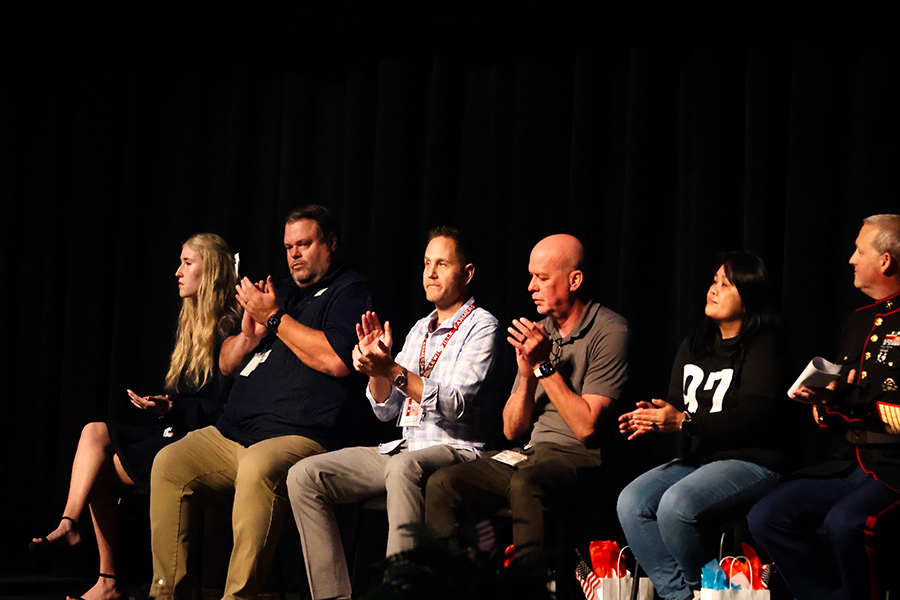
(657,146)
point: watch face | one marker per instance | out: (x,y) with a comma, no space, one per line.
(273,321)
(546,369)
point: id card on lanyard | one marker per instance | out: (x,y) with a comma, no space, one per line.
(413,413)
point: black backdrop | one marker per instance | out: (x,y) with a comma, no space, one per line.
(659,136)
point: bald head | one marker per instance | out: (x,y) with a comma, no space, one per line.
(556,268)
(562,250)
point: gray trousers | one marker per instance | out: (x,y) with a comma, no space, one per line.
(353,475)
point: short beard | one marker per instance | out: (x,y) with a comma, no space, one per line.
(306,282)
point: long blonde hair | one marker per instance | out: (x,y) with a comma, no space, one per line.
(206,320)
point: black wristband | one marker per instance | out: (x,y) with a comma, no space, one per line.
(275,320)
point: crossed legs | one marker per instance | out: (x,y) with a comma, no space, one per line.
(97,478)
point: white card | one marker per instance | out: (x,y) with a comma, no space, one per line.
(510,457)
(388,447)
(258,359)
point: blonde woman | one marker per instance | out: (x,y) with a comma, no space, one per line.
(113,457)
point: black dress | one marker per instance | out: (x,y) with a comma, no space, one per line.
(137,445)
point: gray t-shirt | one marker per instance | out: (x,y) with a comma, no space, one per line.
(592,359)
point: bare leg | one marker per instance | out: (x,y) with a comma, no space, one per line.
(103,505)
(97,477)
(104,589)
(103,511)
(93,454)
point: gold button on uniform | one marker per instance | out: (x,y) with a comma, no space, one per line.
(878,322)
(863,375)
(868,355)
(874,338)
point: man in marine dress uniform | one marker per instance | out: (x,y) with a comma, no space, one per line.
(847,495)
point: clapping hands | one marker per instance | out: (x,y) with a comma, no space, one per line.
(372,353)
(654,416)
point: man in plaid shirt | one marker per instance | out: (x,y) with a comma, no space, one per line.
(438,392)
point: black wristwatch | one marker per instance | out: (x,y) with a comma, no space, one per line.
(687,424)
(545,369)
(400,379)
(275,320)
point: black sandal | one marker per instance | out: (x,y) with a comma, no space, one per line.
(44,548)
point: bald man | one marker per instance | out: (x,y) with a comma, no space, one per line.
(572,365)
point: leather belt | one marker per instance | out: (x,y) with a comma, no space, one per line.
(864,438)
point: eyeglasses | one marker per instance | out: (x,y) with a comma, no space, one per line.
(555,351)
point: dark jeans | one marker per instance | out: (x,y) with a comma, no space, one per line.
(815,529)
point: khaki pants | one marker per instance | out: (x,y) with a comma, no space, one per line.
(206,467)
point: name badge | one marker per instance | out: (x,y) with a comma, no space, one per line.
(412,414)
(389,447)
(258,359)
(510,457)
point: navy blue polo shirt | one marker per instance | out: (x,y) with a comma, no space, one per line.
(283,396)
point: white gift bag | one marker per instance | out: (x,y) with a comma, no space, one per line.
(735,594)
(613,588)
(620,588)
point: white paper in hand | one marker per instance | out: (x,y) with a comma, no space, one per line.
(817,374)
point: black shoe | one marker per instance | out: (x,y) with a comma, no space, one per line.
(44,548)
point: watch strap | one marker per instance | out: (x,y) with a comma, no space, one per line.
(401,378)
(275,320)
(545,369)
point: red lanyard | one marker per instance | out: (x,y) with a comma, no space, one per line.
(425,371)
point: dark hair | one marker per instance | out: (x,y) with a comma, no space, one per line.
(463,245)
(747,272)
(318,213)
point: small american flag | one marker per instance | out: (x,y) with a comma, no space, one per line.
(587,578)
(486,536)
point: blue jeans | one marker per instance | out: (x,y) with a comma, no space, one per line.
(815,531)
(662,513)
